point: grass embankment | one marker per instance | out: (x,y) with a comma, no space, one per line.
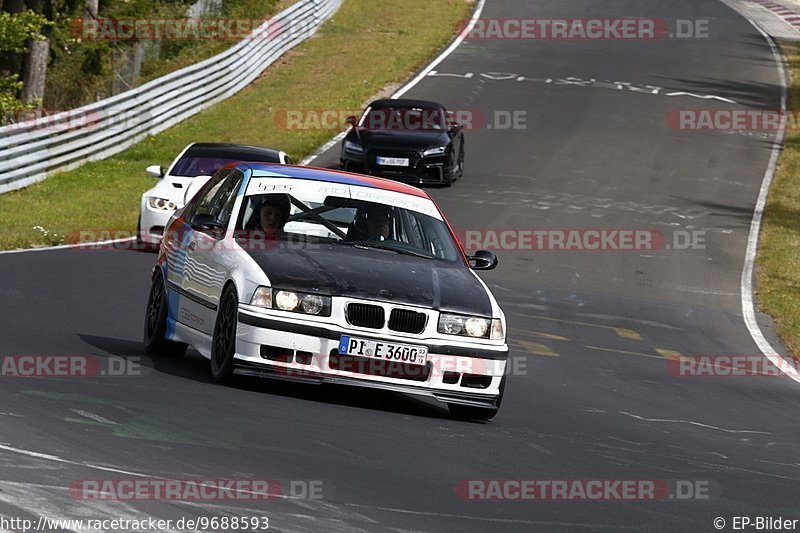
(779,250)
(366,46)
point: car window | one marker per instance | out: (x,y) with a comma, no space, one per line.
(204,195)
(191,166)
(358,223)
(218,200)
(403,118)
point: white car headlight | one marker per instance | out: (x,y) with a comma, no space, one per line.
(468,326)
(262,297)
(439,150)
(297,302)
(163,204)
(356,148)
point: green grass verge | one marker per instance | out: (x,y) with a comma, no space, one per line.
(778,267)
(367,46)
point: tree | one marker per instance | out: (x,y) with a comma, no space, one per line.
(17,30)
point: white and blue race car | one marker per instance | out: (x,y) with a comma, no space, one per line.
(362,282)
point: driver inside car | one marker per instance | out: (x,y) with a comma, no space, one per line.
(378,223)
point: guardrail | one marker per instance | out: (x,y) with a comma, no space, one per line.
(31,150)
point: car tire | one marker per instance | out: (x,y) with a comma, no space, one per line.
(449,174)
(468,412)
(155,322)
(223,343)
(460,171)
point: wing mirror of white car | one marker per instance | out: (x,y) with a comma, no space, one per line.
(483,260)
(155,171)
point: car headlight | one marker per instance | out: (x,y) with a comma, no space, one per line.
(439,150)
(262,297)
(162,204)
(350,146)
(297,302)
(468,326)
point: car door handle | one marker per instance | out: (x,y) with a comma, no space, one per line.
(193,245)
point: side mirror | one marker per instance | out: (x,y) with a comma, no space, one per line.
(351,120)
(483,260)
(207,223)
(455,127)
(155,171)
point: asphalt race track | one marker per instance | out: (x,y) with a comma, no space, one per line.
(591,332)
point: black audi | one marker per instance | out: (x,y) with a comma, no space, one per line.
(414,141)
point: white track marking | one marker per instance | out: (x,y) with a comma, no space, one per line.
(748,306)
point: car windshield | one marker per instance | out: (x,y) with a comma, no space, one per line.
(403,118)
(362,224)
(190,166)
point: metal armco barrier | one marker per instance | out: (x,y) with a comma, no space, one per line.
(31,150)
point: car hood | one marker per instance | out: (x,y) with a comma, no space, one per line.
(179,189)
(399,139)
(340,270)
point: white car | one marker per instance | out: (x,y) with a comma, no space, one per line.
(184,177)
(324,276)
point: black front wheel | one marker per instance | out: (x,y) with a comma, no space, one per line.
(223,344)
(155,322)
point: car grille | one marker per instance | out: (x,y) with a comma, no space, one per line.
(407,321)
(366,316)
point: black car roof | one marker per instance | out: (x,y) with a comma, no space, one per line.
(422,104)
(233,151)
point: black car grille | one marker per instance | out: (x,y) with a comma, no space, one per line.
(407,321)
(366,316)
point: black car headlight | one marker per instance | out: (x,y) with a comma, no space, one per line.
(296,302)
(354,148)
(439,150)
(471,326)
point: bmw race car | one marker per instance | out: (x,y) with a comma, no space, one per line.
(187,173)
(414,141)
(325,276)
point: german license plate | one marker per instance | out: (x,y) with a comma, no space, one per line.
(392,161)
(387,351)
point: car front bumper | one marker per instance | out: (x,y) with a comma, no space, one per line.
(462,373)
(421,170)
(152,223)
